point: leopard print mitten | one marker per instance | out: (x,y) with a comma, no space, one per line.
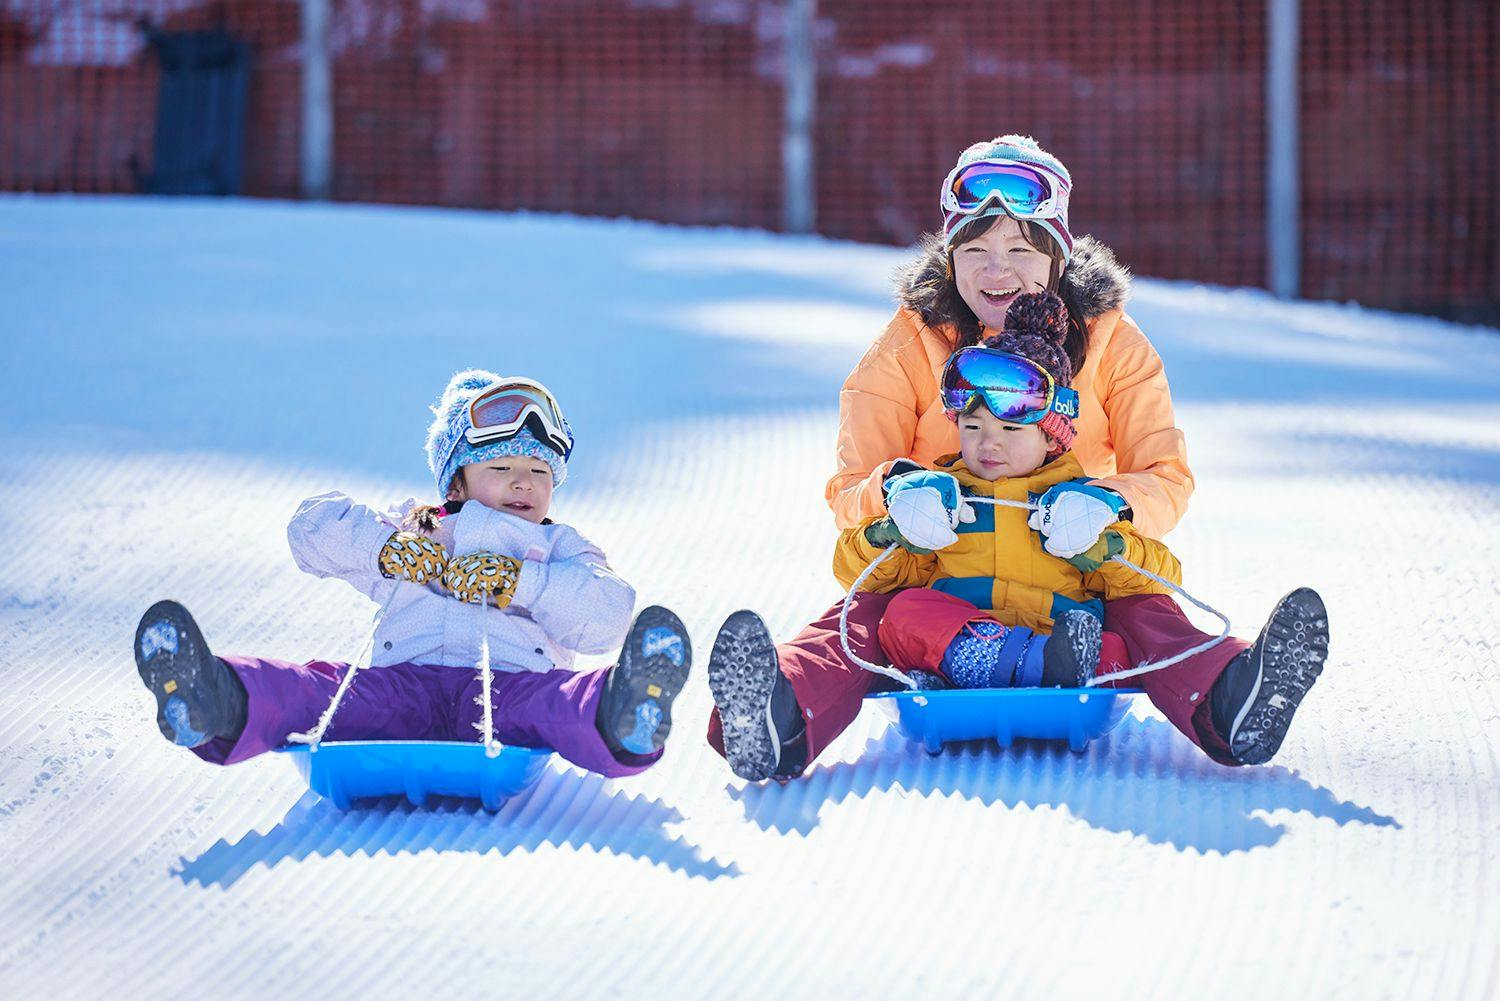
(413,557)
(480,577)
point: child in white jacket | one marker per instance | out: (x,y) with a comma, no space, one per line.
(487,564)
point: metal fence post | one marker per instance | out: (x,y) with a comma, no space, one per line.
(317,101)
(1283,194)
(799,182)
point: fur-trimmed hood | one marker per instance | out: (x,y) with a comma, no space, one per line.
(1093,283)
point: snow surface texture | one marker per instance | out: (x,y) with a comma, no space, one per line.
(177,375)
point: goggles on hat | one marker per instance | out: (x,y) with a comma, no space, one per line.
(501,411)
(1022,189)
(1016,389)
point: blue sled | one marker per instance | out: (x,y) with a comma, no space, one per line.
(356,769)
(934,718)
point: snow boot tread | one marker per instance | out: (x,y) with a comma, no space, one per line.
(635,711)
(198,698)
(1270,679)
(744,674)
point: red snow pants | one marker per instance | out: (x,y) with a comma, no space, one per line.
(830,689)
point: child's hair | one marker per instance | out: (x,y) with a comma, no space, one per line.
(1036,327)
(424,518)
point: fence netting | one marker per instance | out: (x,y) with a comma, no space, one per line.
(673,110)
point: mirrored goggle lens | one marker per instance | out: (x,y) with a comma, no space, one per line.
(506,408)
(1014,389)
(1020,189)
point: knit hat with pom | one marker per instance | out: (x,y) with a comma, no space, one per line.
(1022,149)
(1036,328)
(448,449)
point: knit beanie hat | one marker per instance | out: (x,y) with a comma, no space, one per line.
(1022,149)
(1036,328)
(448,449)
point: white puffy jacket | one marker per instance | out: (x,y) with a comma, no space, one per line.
(567,599)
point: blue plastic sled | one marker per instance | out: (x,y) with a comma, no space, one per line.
(933,718)
(417,769)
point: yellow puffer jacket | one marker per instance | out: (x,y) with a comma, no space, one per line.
(998,563)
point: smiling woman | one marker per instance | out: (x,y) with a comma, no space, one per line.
(1005,232)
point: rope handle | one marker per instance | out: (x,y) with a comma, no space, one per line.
(486,725)
(1146,668)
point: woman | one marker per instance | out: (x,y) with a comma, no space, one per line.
(1006,232)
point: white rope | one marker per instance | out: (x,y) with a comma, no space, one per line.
(1134,672)
(314,737)
(486,725)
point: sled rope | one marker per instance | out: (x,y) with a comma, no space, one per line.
(314,737)
(1146,668)
(486,724)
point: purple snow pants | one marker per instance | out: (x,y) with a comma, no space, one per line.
(553,710)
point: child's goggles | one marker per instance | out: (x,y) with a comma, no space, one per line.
(1016,389)
(1023,190)
(503,410)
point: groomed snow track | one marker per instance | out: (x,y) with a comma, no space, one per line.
(178,374)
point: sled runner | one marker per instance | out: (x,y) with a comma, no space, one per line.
(936,718)
(357,769)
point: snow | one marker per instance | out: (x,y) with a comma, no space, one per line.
(178,374)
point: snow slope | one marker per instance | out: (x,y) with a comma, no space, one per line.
(177,375)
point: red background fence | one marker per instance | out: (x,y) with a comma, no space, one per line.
(672,110)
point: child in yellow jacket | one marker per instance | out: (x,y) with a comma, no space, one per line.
(987,605)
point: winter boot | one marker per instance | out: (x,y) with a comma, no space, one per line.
(1252,702)
(1071,655)
(635,709)
(198,697)
(988,654)
(762,723)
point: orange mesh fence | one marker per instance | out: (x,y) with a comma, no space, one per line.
(672,110)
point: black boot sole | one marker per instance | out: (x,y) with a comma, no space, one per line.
(742,674)
(193,703)
(1288,657)
(654,665)
(1072,653)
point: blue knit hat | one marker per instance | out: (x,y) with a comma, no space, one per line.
(448,448)
(1022,149)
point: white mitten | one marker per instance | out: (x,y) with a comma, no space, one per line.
(925,518)
(1070,522)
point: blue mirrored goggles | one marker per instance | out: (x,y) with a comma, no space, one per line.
(1024,191)
(1014,388)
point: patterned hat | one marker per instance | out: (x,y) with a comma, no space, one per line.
(448,449)
(1022,149)
(1036,328)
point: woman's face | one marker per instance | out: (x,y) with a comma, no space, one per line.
(995,267)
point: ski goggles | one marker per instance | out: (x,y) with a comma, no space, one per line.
(1022,189)
(1016,389)
(501,411)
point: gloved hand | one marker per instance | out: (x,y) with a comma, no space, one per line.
(480,577)
(1110,543)
(926,506)
(1071,515)
(885,533)
(414,557)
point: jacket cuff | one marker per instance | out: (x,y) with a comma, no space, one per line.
(530,584)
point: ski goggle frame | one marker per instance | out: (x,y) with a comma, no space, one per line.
(1024,190)
(501,411)
(1015,388)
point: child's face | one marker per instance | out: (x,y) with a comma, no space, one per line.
(994,449)
(517,485)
